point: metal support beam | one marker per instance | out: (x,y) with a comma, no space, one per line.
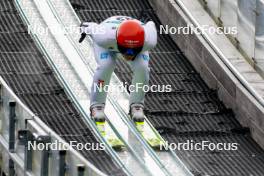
(44,163)
(44,155)
(1,95)
(81,170)
(12,120)
(24,136)
(62,164)
(11,168)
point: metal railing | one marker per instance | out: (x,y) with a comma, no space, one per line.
(220,54)
(19,127)
(248,18)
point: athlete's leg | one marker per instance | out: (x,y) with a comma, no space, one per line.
(140,68)
(106,64)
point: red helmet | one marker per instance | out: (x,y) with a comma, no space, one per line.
(130,37)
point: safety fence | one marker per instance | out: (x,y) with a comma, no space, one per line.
(22,138)
(248,18)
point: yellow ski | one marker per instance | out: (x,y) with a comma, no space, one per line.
(149,134)
(109,135)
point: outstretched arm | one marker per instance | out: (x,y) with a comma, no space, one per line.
(87,28)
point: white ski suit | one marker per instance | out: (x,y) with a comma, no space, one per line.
(106,54)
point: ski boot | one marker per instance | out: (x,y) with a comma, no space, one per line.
(137,113)
(97,112)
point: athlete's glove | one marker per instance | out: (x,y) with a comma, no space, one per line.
(83,35)
(83,31)
(143,16)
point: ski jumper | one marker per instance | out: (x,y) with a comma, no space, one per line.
(106,54)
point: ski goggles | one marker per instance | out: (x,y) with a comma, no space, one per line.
(129,53)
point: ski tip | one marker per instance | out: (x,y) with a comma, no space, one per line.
(119,148)
(116,144)
(154,143)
